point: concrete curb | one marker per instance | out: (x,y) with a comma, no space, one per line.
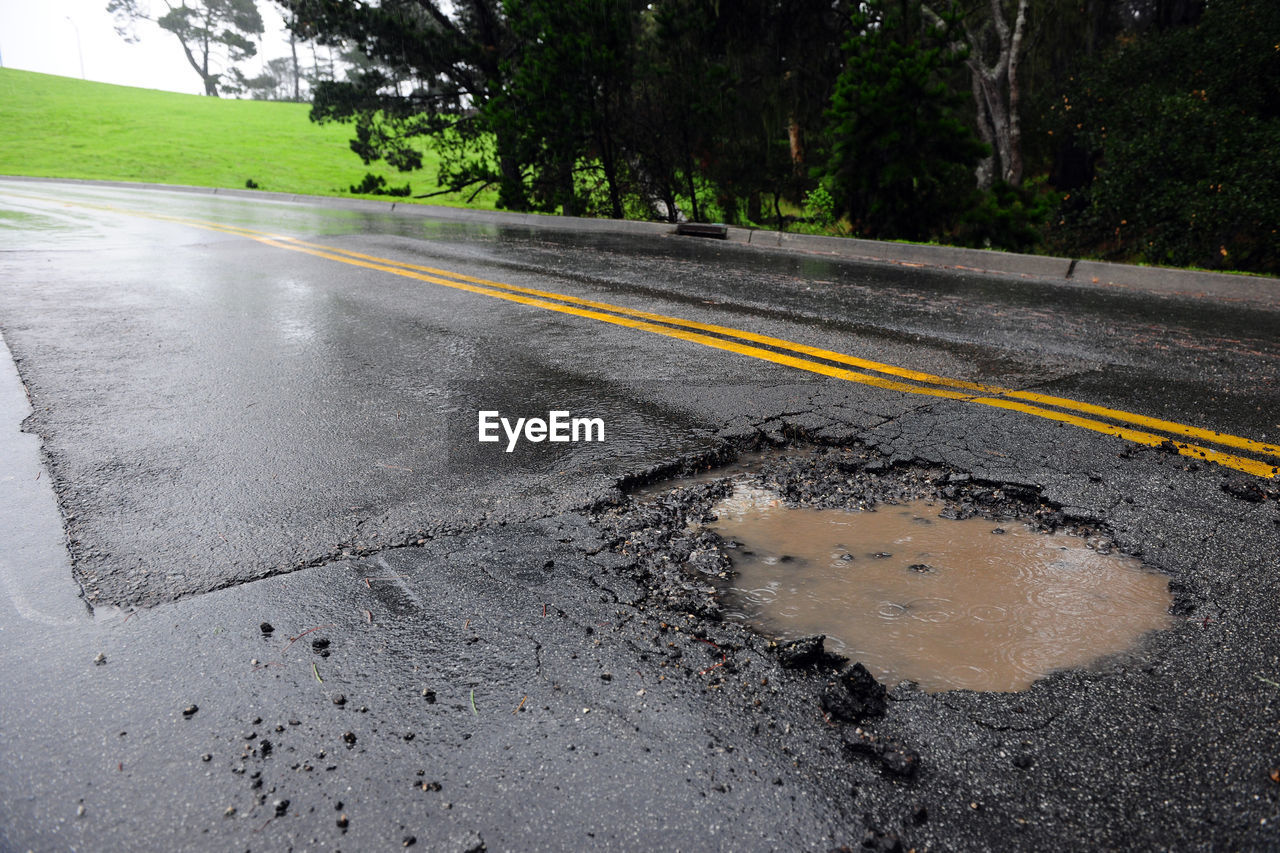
(1259,290)
(985,260)
(1243,288)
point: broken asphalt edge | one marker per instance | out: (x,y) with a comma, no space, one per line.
(1260,290)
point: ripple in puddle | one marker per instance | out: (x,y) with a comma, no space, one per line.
(948,604)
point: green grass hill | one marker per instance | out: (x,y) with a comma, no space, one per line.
(60,127)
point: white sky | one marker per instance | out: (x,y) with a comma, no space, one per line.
(36,35)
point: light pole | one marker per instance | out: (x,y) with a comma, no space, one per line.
(79,49)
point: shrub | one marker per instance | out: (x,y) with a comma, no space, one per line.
(820,207)
(1185,128)
(1008,217)
(377,185)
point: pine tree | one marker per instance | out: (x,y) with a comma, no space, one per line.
(902,163)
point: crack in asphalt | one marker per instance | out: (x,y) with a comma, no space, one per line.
(782,417)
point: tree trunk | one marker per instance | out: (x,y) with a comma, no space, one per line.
(510,188)
(994,117)
(986,170)
(293,50)
(997,96)
(729,206)
(210,81)
(795,135)
(611,178)
(568,198)
(689,173)
(1013,164)
(693,196)
(609,161)
(669,199)
(511,194)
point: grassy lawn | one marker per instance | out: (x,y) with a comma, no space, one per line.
(66,128)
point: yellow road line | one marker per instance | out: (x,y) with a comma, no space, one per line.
(1210,436)
(986,395)
(1228,460)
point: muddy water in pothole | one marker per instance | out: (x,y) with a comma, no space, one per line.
(948,604)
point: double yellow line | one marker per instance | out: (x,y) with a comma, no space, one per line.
(1127,425)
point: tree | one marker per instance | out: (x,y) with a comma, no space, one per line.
(729,99)
(1184,127)
(275,83)
(999,34)
(211,32)
(454,53)
(996,46)
(567,94)
(902,159)
(697,128)
(780,62)
(668,112)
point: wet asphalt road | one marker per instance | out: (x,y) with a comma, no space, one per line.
(237,433)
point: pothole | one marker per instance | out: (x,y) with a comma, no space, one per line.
(949,604)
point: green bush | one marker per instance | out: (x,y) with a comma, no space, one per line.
(377,185)
(1185,128)
(1008,217)
(820,207)
(903,158)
